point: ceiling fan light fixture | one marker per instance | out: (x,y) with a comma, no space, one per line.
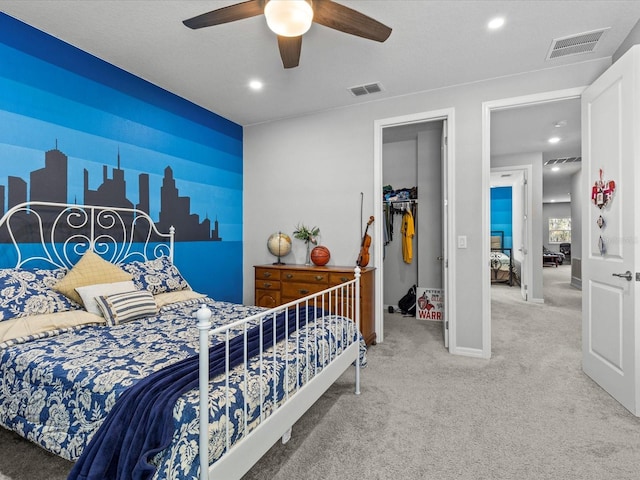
(289,18)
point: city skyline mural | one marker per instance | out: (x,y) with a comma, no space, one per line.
(77,129)
(50,184)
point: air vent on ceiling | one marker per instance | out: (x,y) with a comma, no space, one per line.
(560,161)
(575,44)
(360,90)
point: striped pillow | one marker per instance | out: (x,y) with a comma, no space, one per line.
(124,307)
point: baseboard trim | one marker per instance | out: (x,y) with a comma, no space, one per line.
(576,273)
(469,352)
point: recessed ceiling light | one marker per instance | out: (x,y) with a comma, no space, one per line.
(552,201)
(255,85)
(496,23)
(555,169)
(554,139)
(560,124)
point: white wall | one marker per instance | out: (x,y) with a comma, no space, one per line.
(535,185)
(313,168)
(632,39)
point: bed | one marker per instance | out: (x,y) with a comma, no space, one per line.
(71,361)
(501,262)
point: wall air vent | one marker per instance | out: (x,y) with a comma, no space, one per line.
(563,160)
(575,44)
(367,89)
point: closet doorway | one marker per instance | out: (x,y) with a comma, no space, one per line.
(413,164)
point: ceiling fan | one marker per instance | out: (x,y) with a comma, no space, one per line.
(290,19)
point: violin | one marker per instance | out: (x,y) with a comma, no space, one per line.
(363,257)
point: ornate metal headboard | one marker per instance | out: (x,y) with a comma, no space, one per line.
(57,234)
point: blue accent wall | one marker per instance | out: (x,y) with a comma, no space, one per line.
(501,213)
(101,134)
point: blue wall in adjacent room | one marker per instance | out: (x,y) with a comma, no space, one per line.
(501,213)
(123,141)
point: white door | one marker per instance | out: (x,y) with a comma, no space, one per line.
(610,152)
(445,236)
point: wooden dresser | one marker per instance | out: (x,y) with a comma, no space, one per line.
(278,284)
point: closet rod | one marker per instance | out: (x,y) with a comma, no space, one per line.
(411,200)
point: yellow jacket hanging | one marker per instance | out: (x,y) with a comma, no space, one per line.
(408,232)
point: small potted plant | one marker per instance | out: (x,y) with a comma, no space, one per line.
(309,235)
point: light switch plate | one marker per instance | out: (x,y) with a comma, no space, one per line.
(462,241)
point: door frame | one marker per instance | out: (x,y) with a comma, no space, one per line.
(487,107)
(525,173)
(447,114)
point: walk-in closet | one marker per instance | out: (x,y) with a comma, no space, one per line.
(412,184)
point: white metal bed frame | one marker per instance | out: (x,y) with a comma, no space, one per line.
(240,457)
(89,225)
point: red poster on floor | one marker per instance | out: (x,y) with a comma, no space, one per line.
(430,304)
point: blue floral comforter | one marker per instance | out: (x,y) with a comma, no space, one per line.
(57,391)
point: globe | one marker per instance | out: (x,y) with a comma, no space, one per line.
(279,244)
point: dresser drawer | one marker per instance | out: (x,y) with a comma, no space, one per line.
(305,277)
(297,290)
(338,278)
(267,284)
(267,274)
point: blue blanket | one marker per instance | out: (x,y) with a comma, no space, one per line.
(140,423)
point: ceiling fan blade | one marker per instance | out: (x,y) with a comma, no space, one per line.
(347,20)
(239,11)
(290,48)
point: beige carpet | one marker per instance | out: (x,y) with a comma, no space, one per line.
(528,413)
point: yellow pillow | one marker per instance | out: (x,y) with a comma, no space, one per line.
(91,269)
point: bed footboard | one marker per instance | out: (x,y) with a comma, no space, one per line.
(313,351)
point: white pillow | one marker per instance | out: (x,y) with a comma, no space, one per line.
(90,292)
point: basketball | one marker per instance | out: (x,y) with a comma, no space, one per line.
(320,255)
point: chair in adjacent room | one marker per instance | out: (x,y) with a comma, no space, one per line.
(566,249)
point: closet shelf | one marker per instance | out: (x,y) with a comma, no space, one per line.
(411,200)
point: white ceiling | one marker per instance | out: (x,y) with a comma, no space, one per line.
(434,44)
(528,129)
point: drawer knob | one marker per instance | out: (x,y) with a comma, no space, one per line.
(319,277)
(289,275)
(303,291)
(266,284)
(266,274)
(344,279)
